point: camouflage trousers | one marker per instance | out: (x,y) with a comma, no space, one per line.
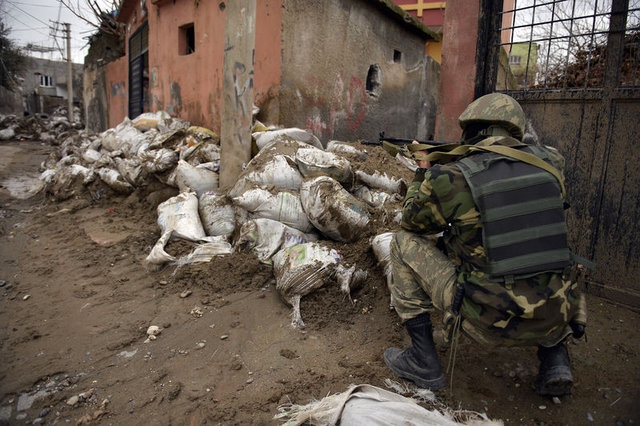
(423,278)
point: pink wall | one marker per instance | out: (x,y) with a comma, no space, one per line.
(189,86)
(458,71)
(117,90)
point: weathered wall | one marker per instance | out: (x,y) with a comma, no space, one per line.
(328,50)
(117,77)
(458,74)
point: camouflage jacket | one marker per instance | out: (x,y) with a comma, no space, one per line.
(531,311)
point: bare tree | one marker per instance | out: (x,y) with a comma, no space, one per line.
(100,15)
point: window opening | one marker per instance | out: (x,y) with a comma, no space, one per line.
(187,39)
(373,84)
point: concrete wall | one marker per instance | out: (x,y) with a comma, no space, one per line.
(329,49)
(311,63)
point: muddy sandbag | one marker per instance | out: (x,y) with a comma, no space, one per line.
(149,120)
(180,215)
(279,172)
(158,256)
(265,237)
(115,180)
(303,268)
(158,160)
(313,162)
(91,156)
(65,182)
(381,246)
(283,206)
(217,213)
(197,179)
(373,198)
(365,404)
(7,134)
(345,148)
(382,181)
(132,171)
(264,139)
(333,210)
(113,138)
(205,252)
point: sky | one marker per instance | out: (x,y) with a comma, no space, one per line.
(34,21)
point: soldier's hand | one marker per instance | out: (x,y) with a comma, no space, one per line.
(417,155)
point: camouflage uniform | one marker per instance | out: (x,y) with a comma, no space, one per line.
(532,311)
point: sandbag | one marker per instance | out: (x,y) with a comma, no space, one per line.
(333,210)
(280,172)
(345,148)
(299,270)
(283,206)
(313,162)
(196,179)
(375,199)
(115,180)
(217,214)
(180,215)
(383,182)
(265,237)
(264,139)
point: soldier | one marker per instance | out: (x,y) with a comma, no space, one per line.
(484,240)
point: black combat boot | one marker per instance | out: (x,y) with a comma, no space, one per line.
(554,377)
(419,363)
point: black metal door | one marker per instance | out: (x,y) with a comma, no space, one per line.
(575,68)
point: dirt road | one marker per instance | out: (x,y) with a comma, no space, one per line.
(76,301)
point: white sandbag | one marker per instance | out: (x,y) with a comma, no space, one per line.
(283,206)
(280,172)
(115,180)
(265,237)
(7,134)
(214,247)
(158,256)
(338,147)
(383,182)
(299,270)
(381,246)
(180,215)
(196,179)
(217,214)
(149,120)
(314,162)
(333,210)
(370,405)
(111,139)
(264,139)
(158,160)
(91,155)
(375,198)
(131,170)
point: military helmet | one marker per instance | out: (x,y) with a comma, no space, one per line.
(498,109)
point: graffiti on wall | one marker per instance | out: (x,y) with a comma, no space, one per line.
(118,89)
(331,106)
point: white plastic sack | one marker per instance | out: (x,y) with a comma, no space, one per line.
(265,237)
(158,256)
(115,180)
(180,215)
(383,182)
(158,160)
(264,139)
(215,246)
(283,206)
(131,170)
(339,147)
(217,214)
(370,405)
(381,246)
(91,155)
(333,210)
(280,172)
(197,179)
(299,270)
(149,120)
(313,162)
(375,198)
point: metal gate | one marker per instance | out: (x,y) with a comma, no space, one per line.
(138,65)
(574,65)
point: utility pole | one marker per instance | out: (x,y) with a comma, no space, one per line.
(69,73)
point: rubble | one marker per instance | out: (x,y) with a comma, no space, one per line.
(292,193)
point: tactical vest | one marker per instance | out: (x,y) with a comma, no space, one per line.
(521,208)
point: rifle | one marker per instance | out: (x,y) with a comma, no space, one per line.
(406,147)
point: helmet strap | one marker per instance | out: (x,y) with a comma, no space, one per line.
(495,130)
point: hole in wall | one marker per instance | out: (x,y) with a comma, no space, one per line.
(374,80)
(397,56)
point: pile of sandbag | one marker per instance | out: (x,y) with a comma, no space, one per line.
(292,197)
